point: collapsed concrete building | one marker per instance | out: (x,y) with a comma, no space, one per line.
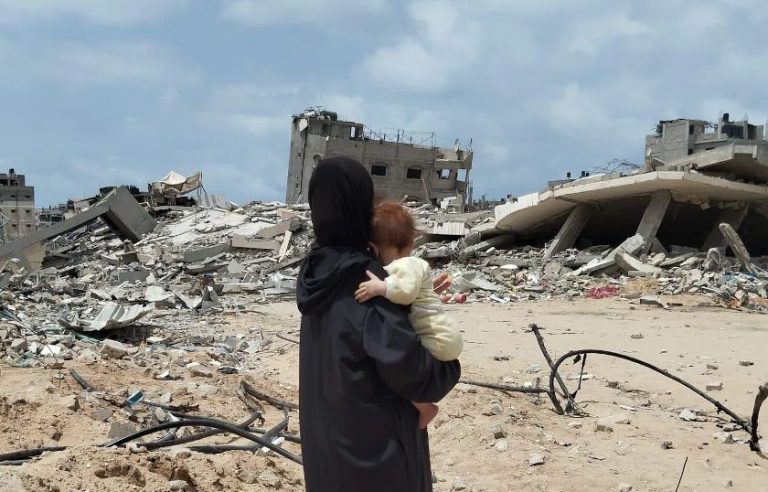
(17,206)
(697,176)
(400,168)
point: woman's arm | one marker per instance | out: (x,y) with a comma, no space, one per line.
(402,362)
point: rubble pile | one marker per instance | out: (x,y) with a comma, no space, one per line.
(204,261)
(160,290)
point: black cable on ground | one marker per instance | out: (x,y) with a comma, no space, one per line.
(200,435)
(206,422)
(720,407)
(28,453)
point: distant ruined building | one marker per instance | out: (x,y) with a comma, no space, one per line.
(399,168)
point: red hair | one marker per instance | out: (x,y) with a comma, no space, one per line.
(393,226)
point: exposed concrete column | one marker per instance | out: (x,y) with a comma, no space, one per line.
(570,230)
(651,221)
(731,216)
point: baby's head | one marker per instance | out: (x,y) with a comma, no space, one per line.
(393,232)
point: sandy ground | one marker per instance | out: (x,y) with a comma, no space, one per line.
(700,343)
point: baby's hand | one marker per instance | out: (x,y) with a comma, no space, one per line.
(370,289)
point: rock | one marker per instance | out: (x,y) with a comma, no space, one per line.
(746,363)
(200,370)
(69,402)
(689,415)
(715,386)
(180,453)
(101,414)
(270,480)
(607,424)
(434,477)
(459,484)
(533,368)
(115,350)
(728,484)
(495,409)
(178,485)
(19,345)
(498,432)
(120,429)
(637,336)
(712,367)
(666,445)
(612,384)
(501,445)
(624,487)
(536,459)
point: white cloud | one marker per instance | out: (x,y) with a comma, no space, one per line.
(116,62)
(591,35)
(257,125)
(262,12)
(119,12)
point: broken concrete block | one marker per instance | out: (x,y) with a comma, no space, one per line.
(536,459)
(50,350)
(746,363)
(629,263)
(241,242)
(116,350)
(200,370)
(715,386)
(197,255)
(178,485)
(101,414)
(292,225)
(19,345)
(712,367)
(624,487)
(666,445)
(689,415)
(132,275)
(637,336)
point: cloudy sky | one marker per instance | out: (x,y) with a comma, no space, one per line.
(100,92)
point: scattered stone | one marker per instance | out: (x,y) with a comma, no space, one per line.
(101,414)
(535,459)
(178,485)
(746,363)
(712,367)
(19,345)
(121,429)
(270,480)
(115,350)
(459,484)
(612,384)
(666,445)
(495,409)
(715,386)
(637,336)
(501,445)
(200,370)
(689,415)
(180,453)
(624,487)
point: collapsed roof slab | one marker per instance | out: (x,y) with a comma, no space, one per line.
(119,209)
(532,210)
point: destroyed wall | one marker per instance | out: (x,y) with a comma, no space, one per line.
(398,169)
(17,205)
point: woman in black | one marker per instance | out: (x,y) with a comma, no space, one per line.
(361,365)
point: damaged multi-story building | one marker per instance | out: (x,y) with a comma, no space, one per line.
(400,168)
(17,206)
(697,176)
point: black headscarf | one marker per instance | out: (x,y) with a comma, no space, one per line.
(341,200)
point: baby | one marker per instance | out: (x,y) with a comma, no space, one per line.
(410,283)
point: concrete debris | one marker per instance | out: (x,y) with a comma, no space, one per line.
(113,349)
(536,459)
